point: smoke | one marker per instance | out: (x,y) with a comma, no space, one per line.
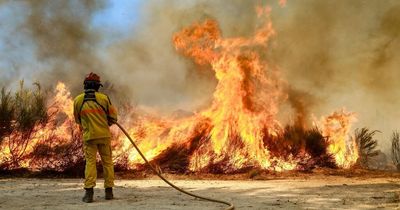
(62,37)
(58,44)
(157,74)
(302,105)
(343,53)
(333,54)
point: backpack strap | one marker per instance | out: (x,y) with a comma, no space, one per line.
(90,95)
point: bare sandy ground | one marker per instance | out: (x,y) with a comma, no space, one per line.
(303,193)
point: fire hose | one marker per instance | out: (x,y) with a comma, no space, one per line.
(231,207)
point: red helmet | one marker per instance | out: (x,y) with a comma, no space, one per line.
(92,77)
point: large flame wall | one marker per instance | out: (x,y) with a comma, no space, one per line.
(234,132)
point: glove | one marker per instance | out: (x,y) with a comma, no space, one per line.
(111,121)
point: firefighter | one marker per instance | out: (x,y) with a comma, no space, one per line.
(94,113)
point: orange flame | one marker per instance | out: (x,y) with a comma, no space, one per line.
(17,149)
(231,132)
(337,128)
(282,3)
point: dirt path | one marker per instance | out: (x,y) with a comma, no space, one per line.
(320,193)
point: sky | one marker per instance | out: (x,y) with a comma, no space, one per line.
(118,18)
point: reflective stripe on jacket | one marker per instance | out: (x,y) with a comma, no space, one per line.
(94,115)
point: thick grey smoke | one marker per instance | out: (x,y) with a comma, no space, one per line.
(60,30)
(157,75)
(333,54)
(343,53)
(53,39)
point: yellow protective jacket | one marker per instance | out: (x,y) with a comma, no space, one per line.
(95,113)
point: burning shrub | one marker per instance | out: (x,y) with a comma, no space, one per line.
(316,147)
(366,145)
(174,159)
(316,144)
(23,111)
(57,154)
(6,113)
(291,141)
(39,132)
(293,138)
(396,149)
(21,116)
(309,146)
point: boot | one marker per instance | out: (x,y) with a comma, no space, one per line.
(88,198)
(109,193)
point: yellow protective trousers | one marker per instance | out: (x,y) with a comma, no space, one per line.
(90,148)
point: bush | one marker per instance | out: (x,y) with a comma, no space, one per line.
(21,115)
(7,111)
(396,149)
(30,108)
(366,145)
(56,154)
(307,145)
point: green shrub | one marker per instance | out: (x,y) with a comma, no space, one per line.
(30,108)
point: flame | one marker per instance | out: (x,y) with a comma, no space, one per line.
(282,3)
(62,100)
(245,100)
(233,132)
(17,150)
(337,128)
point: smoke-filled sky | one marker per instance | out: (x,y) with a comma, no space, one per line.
(333,54)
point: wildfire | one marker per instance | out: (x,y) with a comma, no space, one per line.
(337,126)
(232,134)
(33,148)
(245,100)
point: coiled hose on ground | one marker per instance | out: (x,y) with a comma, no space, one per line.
(231,207)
